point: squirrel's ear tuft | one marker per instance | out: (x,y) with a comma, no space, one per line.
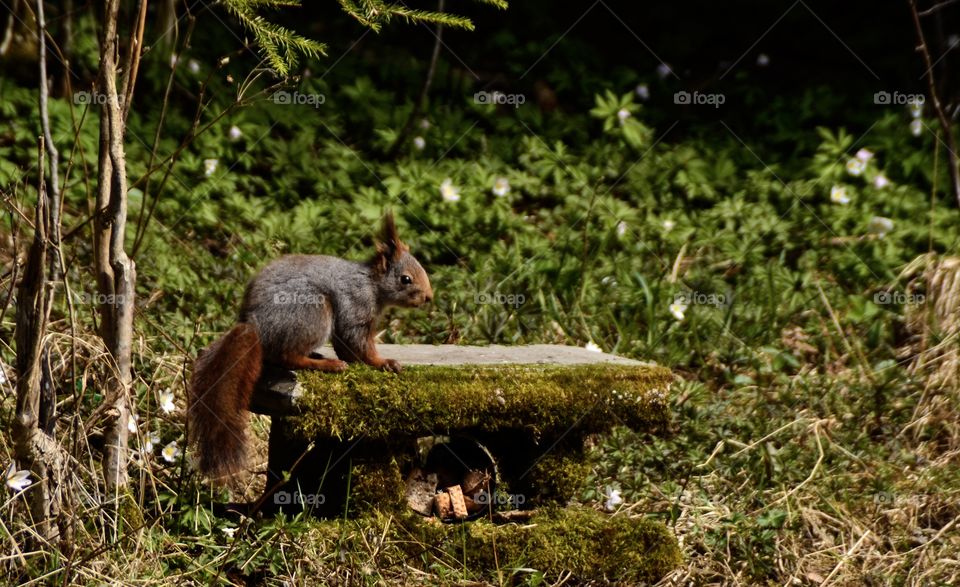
(390,229)
(390,248)
(391,242)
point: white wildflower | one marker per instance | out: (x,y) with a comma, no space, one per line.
(166,401)
(419,143)
(228,532)
(17,481)
(678,309)
(424,123)
(856,166)
(880,181)
(614,499)
(838,195)
(194,66)
(880,226)
(668,225)
(763,60)
(210,166)
(663,70)
(623,114)
(171,452)
(501,187)
(643,91)
(132,423)
(916,127)
(916,108)
(864,155)
(621,228)
(152,439)
(235,133)
(592,346)
(448,191)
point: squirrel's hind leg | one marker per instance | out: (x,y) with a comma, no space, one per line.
(297,330)
(297,361)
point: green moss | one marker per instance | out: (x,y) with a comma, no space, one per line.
(128,510)
(591,545)
(377,485)
(557,477)
(548,400)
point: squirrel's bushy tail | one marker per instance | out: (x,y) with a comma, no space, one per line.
(224,376)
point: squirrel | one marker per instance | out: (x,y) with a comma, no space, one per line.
(295,304)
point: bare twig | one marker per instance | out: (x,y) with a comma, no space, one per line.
(132,66)
(53,188)
(945,127)
(143,218)
(424,91)
(8,29)
(937,7)
(846,556)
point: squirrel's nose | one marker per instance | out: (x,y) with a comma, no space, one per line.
(428,296)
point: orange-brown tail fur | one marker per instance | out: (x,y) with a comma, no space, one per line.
(223,379)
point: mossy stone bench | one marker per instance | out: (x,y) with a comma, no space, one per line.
(529,407)
(358,441)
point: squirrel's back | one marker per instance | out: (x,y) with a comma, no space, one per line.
(294,291)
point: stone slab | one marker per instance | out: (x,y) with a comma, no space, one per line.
(534,354)
(278,390)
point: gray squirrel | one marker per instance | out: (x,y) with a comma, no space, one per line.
(294,305)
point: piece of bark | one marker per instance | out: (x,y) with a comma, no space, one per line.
(443,506)
(474,482)
(420,491)
(513,516)
(456,502)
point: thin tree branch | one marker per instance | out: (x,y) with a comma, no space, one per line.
(424,92)
(53,189)
(945,127)
(937,7)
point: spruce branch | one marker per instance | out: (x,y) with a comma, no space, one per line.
(282,46)
(375,13)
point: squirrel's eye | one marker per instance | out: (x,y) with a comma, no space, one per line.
(406,279)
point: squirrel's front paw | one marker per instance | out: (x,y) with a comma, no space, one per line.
(391,365)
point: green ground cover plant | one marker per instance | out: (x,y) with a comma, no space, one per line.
(804,297)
